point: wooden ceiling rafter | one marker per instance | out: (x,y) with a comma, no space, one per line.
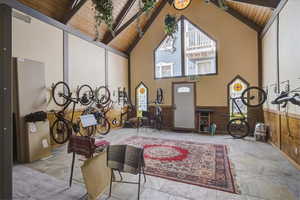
(240,17)
(73,11)
(108,36)
(147,25)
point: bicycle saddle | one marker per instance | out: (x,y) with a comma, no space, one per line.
(282,98)
(295,99)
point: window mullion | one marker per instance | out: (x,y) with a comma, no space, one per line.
(182,47)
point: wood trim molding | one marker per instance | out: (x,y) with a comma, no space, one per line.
(66,56)
(36,14)
(6,127)
(286,156)
(108,36)
(240,17)
(73,11)
(265,3)
(146,27)
(276,12)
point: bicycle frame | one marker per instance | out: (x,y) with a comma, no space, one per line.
(60,114)
(234,100)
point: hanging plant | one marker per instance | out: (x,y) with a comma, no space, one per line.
(148,5)
(103,13)
(171,26)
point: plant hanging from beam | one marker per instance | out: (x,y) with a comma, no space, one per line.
(145,6)
(103,13)
(171,26)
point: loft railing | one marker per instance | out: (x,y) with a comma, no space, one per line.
(195,40)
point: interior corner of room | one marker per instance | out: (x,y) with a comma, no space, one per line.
(150,99)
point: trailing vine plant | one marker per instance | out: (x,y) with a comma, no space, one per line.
(171,28)
(103,13)
(144,6)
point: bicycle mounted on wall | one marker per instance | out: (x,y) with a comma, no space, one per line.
(62,128)
(238,127)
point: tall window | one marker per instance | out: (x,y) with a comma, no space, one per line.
(141,92)
(191,51)
(235,89)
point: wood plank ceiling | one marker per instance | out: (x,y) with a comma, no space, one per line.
(125,13)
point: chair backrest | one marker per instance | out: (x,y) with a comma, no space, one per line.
(82,145)
(125,158)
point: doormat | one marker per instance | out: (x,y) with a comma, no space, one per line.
(205,165)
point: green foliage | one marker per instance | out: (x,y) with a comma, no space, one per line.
(148,5)
(103,13)
(171,26)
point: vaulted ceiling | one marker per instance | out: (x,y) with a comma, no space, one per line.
(79,15)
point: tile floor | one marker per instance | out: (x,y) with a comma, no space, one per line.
(262,172)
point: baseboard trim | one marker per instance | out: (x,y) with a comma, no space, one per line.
(286,156)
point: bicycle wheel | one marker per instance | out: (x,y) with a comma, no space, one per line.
(254,97)
(103,126)
(85,94)
(238,128)
(102,95)
(159,95)
(59,91)
(60,132)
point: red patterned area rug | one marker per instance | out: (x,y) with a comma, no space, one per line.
(205,165)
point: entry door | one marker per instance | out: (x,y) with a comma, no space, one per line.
(184,105)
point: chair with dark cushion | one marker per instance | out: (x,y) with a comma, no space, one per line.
(126,159)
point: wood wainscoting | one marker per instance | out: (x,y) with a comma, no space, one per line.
(220,116)
(284,132)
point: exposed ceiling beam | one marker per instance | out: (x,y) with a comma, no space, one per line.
(107,37)
(147,25)
(123,27)
(265,3)
(240,17)
(73,10)
(273,17)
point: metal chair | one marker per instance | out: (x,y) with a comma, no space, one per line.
(126,159)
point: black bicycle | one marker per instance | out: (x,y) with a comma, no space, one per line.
(238,127)
(157,121)
(62,127)
(286,97)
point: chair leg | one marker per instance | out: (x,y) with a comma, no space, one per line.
(144,174)
(110,185)
(139,185)
(72,169)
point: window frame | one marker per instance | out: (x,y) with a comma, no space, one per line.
(142,83)
(228,91)
(183,60)
(161,64)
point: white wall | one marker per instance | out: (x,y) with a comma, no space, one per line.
(117,73)
(269,45)
(289,47)
(40,42)
(86,63)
